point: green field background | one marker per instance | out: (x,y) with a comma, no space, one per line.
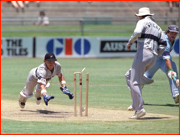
(107,90)
(107,87)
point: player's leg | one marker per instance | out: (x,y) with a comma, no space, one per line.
(23,98)
(27,91)
(143,61)
(148,75)
(127,76)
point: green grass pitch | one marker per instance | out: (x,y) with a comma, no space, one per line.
(107,90)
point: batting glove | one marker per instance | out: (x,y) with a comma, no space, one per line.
(47,98)
(171,73)
(177,82)
(67,92)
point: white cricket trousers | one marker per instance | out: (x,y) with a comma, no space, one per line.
(31,83)
(143,60)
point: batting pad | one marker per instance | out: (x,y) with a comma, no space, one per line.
(23,98)
(37,93)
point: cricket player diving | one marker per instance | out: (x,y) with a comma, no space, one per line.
(151,43)
(166,64)
(40,77)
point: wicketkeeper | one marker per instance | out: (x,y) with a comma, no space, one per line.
(40,77)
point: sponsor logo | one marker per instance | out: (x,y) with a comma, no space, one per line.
(82,46)
(116,46)
(59,45)
(14,47)
(55,46)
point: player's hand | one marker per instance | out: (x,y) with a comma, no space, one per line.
(171,74)
(67,92)
(128,47)
(47,98)
(177,82)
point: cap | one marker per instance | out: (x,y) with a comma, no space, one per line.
(50,57)
(173,28)
(144,11)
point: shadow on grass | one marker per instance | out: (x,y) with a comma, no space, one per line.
(46,112)
(52,114)
(153,118)
(170,105)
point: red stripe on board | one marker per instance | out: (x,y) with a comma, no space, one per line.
(68,46)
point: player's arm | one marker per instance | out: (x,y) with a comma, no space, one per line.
(137,33)
(162,45)
(171,73)
(166,56)
(63,87)
(168,64)
(44,94)
(62,81)
(41,80)
(128,46)
(43,89)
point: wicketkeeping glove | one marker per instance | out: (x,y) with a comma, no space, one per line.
(67,92)
(47,98)
(171,73)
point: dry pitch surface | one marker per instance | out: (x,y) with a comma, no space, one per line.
(58,113)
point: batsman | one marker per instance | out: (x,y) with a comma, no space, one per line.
(166,64)
(39,77)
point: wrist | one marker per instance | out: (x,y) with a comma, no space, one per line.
(63,82)
(63,87)
(43,92)
(170,69)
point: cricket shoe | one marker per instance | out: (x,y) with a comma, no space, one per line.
(38,100)
(176,98)
(130,107)
(139,114)
(47,98)
(21,104)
